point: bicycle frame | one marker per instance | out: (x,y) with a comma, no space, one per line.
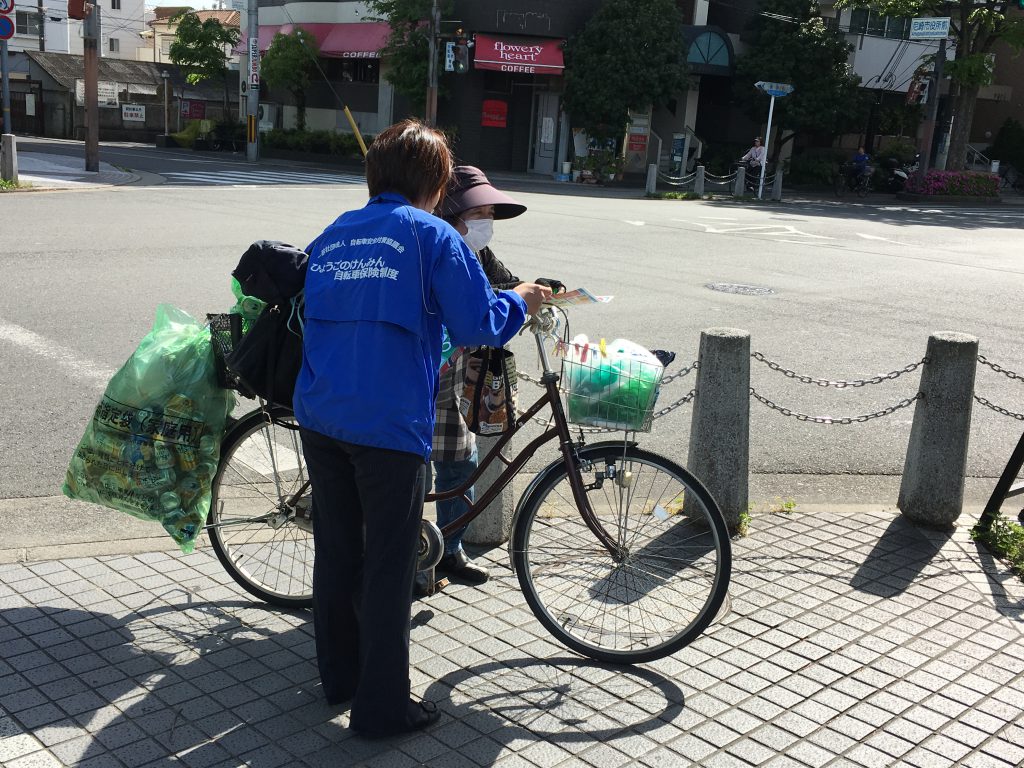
(559,430)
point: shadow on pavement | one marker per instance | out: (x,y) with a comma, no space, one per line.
(898,558)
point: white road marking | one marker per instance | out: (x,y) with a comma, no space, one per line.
(634,223)
(875,237)
(66,358)
(764,229)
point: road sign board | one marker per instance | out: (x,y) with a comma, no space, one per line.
(6,28)
(6,6)
(254,63)
(774,89)
(927,28)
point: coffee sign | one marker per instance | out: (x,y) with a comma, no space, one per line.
(532,56)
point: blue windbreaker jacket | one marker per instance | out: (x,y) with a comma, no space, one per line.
(381,282)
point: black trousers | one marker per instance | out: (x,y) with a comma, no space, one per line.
(368,506)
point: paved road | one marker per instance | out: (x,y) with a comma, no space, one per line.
(843,292)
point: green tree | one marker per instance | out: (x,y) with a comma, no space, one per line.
(289,63)
(791,44)
(975,27)
(408,48)
(201,49)
(629,56)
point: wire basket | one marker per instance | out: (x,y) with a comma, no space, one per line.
(614,393)
(225,331)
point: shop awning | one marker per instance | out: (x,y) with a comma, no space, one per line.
(347,41)
(532,55)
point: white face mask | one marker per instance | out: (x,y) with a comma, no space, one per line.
(479,234)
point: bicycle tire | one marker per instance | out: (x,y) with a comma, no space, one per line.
(596,606)
(863,187)
(253,533)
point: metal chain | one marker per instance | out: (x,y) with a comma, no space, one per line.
(998,408)
(678,403)
(728,177)
(834,419)
(680,180)
(838,384)
(999,369)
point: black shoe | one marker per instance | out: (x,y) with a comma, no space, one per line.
(465,569)
(421,586)
(419,716)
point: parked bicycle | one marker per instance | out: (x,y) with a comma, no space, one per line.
(1010,180)
(851,178)
(621,554)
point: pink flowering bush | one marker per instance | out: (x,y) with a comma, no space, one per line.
(964,183)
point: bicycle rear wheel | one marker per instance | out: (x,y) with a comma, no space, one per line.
(670,574)
(252,526)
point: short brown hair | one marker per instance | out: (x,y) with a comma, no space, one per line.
(409,158)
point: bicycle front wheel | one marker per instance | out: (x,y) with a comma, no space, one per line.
(262,536)
(662,586)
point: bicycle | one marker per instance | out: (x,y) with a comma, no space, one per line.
(849,178)
(621,554)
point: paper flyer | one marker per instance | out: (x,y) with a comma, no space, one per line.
(575,298)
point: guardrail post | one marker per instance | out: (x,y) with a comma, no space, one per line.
(698,181)
(652,178)
(741,180)
(932,489)
(719,453)
(777,185)
(494,524)
(9,157)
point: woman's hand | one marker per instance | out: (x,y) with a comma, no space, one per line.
(534,295)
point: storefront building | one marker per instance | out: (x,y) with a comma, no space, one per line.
(506,111)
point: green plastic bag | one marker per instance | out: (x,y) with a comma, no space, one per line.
(611,385)
(152,446)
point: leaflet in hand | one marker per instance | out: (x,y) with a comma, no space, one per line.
(577,297)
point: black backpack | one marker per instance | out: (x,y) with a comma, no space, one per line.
(268,358)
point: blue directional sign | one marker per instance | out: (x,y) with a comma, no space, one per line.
(774,89)
(6,28)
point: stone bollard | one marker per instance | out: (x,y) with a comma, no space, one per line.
(9,157)
(932,489)
(719,452)
(652,178)
(741,181)
(494,525)
(777,185)
(698,181)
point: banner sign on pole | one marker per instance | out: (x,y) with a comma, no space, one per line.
(254,62)
(925,28)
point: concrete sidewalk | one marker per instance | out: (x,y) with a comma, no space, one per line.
(849,640)
(44,171)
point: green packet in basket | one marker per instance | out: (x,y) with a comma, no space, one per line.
(612,385)
(152,446)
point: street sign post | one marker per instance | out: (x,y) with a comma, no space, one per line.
(774,90)
(6,6)
(925,28)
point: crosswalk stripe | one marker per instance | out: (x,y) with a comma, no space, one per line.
(260,177)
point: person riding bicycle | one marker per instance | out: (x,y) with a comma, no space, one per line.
(381,282)
(755,157)
(860,166)
(471,206)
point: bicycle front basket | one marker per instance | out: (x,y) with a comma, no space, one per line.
(615,391)
(222,337)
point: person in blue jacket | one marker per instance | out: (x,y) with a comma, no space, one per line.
(380,283)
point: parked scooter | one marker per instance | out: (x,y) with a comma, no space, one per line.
(895,174)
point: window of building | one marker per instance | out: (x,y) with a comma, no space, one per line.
(115,5)
(115,45)
(26,23)
(165,46)
(352,70)
(867,22)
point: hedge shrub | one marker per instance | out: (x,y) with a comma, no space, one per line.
(961,183)
(315,142)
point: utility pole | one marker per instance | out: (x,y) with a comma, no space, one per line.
(435,24)
(42,26)
(90,41)
(252,93)
(933,109)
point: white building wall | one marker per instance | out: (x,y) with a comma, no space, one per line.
(885,63)
(64,35)
(343,12)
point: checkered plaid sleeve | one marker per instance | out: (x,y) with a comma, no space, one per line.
(452,439)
